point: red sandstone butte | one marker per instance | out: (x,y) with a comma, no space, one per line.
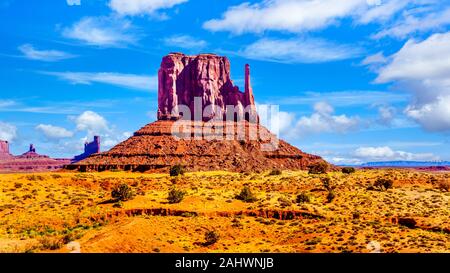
(206,76)
(154,146)
(4,150)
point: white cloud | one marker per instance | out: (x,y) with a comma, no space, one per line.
(102,31)
(306,15)
(377,58)
(434,116)
(382,10)
(54,132)
(411,24)
(284,15)
(140,7)
(298,51)
(8,131)
(185,41)
(386,114)
(322,120)
(7,103)
(140,82)
(385,153)
(31,53)
(423,68)
(92,123)
(73,2)
(343,98)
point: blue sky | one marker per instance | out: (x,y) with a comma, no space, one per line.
(356,80)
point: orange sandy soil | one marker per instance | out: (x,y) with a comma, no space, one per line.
(43,212)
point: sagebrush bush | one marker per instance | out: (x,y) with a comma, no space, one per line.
(211,237)
(246,195)
(330,196)
(303,197)
(175,196)
(275,172)
(326,182)
(443,185)
(318,168)
(176,170)
(383,184)
(348,170)
(122,192)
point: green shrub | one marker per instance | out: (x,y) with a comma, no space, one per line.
(330,196)
(275,172)
(246,195)
(211,237)
(303,198)
(175,196)
(326,182)
(176,170)
(443,185)
(348,170)
(122,193)
(318,168)
(284,202)
(383,184)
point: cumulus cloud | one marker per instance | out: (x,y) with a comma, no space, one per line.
(298,51)
(73,2)
(92,123)
(386,114)
(433,116)
(284,15)
(102,31)
(140,7)
(305,15)
(385,153)
(323,120)
(423,68)
(133,81)
(54,132)
(8,131)
(185,41)
(31,53)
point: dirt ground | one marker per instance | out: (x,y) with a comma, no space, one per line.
(45,212)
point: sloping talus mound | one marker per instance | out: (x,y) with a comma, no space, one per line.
(154,147)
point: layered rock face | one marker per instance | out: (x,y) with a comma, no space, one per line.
(154,147)
(4,150)
(200,144)
(183,78)
(29,161)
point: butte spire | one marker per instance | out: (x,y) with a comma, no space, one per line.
(189,85)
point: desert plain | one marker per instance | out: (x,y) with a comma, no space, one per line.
(288,211)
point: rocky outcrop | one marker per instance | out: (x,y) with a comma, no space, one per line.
(183,78)
(90,148)
(200,144)
(4,150)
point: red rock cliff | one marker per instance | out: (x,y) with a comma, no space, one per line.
(206,76)
(4,149)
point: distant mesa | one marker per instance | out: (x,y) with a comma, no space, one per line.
(28,161)
(90,148)
(184,81)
